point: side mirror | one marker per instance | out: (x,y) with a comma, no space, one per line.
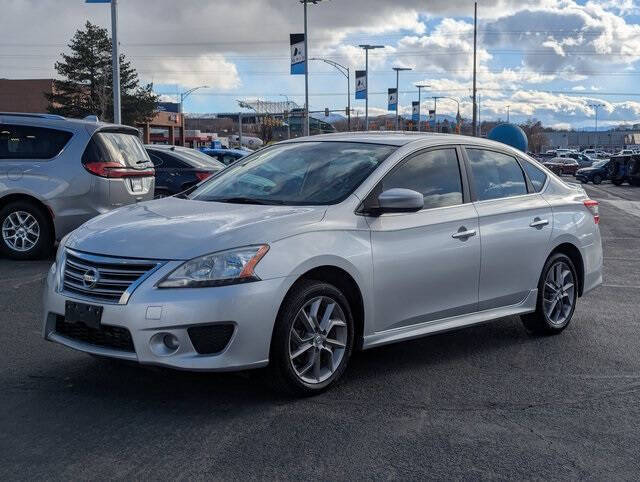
(398,200)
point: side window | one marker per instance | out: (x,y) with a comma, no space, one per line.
(435,174)
(169,161)
(496,175)
(536,175)
(26,142)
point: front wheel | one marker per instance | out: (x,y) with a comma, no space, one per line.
(312,339)
(557,296)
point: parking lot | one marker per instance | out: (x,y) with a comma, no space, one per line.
(484,402)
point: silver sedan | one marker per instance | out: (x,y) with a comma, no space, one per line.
(310,249)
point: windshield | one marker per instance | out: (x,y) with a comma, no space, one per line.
(305,173)
(600,163)
(197,159)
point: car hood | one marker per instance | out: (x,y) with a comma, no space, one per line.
(180,229)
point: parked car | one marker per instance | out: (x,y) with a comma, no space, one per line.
(59,173)
(625,152)
(562,165)
(597,173)
(179,168)
(625,168)
(225,156)
(312,248)
(592,153)
(583,160)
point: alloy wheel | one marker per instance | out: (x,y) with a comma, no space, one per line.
(318,340)
(559,293)
(20,231)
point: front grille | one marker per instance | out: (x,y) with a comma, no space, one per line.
(210,339)
(114,276)
(106,336)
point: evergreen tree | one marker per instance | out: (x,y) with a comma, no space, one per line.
(86,83)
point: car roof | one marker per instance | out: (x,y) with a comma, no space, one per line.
(401,138)
(52,120)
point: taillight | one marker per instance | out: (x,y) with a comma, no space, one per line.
(112,169)
(592,206)
(201,175)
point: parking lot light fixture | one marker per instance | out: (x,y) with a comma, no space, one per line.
(398,70)
(366,48)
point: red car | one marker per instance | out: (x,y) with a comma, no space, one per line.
(562,165)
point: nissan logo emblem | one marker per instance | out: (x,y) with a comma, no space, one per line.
(90,278)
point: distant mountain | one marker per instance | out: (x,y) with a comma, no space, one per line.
(332,118)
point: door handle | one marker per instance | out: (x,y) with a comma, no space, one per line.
(538,223)
(464,233)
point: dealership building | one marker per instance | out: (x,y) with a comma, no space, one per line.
(610,140)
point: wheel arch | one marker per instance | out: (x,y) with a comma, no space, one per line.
(573,253)
(345,282)
(18,196)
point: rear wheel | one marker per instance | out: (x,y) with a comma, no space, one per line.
(617,182)
(26,231)
(597,179)
(312,340)
(557,296)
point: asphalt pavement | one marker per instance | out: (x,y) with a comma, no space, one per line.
(484,402)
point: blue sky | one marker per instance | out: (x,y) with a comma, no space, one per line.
(548,59)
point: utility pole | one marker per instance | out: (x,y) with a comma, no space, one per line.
(398,70)
(366,48)
(240,129)
(475,38)
(115,60)
(595,107)
(420,87)
(508,107)
(435,113)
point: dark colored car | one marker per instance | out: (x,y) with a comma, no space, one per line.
(225,156)
(179,168)
(598,172)
(583,160)
(562,165)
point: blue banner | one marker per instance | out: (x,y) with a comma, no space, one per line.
(361,84)
(298,55)
(393,99)
(415,111)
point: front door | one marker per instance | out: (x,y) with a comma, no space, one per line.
(426,264)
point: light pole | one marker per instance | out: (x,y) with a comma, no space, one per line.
(508,107)
(595,107)
(344,71)
(420,87)
(306,65)
(183,96)
(366,48)
(398,70)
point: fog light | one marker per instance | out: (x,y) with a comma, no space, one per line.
(164,344)
(171,342)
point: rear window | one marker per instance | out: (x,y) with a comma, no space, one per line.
(536,175)
(125,149)
(27,142)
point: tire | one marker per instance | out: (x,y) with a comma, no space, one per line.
(295,346)
(617,182)
(35,234)
(553,314)
(597,179)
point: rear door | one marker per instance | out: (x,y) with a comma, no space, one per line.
(515,226)
(426,264)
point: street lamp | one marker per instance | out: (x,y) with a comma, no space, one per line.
(595,107)
(420,87)
(344,71)
(398,70)
(435,101)
(183,96)
(366,48)
(306,66)
(508,108)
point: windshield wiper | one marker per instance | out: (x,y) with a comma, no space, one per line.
(244,200)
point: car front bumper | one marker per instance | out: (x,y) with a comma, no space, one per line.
(150,313)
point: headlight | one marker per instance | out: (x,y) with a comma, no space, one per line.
(216,269)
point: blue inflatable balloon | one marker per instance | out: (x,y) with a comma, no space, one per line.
(509,134)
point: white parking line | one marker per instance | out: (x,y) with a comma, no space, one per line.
(633,287)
